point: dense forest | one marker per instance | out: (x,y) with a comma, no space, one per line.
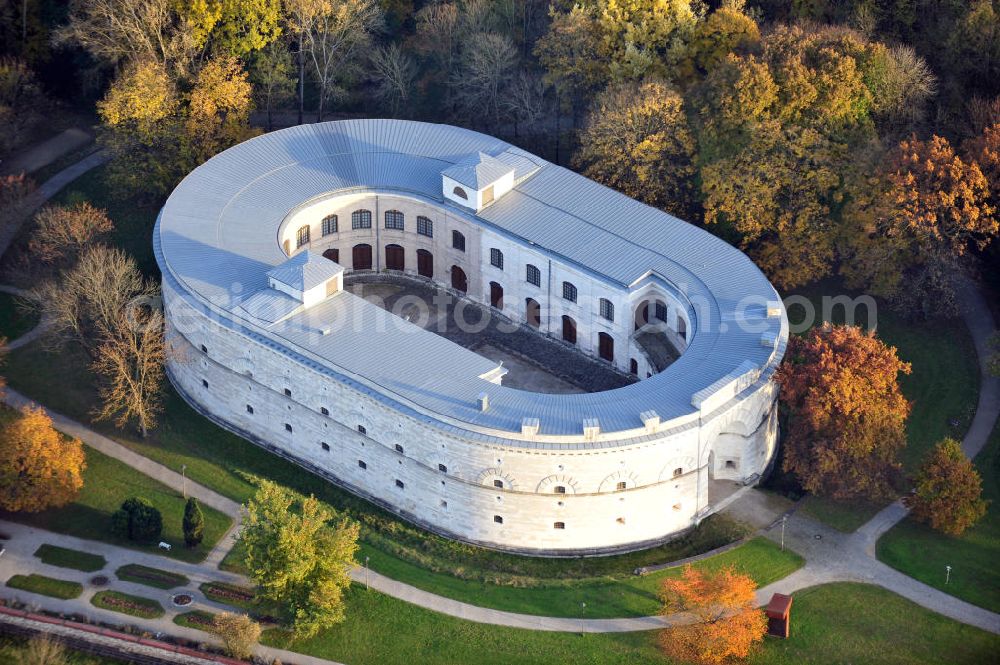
(857,138)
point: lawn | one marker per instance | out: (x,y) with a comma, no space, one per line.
(923,553)
(220,460)
(14,319)
(137,606)
(66,558)
(943,387)
(106,483)
(836,623)
(153,577)
(47,586)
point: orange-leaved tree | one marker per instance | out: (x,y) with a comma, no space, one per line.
(947,490)
(846,414)
(39,469)
(726,625)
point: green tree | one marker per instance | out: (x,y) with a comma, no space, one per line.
(570,54)
(273,78)
(296,558)
(636,140)
(193,523)
(137,520)
(646,37)
(947,490)
(726,30)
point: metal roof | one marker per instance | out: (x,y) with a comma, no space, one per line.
(477,171)
(305,270)
(218,229)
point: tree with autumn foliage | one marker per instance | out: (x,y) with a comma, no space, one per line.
(637,141)
(923,211)
(947,490)
(39,468)
(846,416)
(727,624)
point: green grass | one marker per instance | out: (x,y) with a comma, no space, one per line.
(943,387)
(197,619)
(47,586)
(844,623)
(106,483)
(220,461)
(154,577)
(923,553)
(15,650)
(137,606)
(14,319)
(66,558)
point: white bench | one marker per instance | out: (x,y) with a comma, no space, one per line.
(165,546)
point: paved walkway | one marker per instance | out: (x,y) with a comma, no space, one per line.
(42,154)
(31,335)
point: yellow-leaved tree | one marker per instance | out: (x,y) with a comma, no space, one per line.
(39,468)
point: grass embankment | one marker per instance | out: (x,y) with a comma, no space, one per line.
(66,558)
(106,484)
(923,553)
(845,623)
(943,387)
(137,606)
(47,586)
(16,650)
(153,577)
(15,320)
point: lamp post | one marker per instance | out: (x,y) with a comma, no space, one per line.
(184,480)
(947,574)
(367,587)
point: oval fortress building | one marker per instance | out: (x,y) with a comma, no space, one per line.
(254,246)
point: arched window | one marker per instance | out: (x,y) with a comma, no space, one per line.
(568,329)
(458,241)
(533,275)
(607,309)
(460,193)
(425,227)
(532,312)
(394,220)
(302,236)
(569,292)
(329,225)
(496,258)
(606,347)
(361,219)
(633,366)
(496,295)
(395,257)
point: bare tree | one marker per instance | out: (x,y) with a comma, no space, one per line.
(337,35)
(438,39)
(527,101)
(488,62)
(114,31)
(130,362)
(393,72)
(62,232)
(43,650)
(271,74)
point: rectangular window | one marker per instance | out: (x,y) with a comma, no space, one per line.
(660,311)
(458,241)
(325,411)
(302,237)
(399,448)
(498,519)
(394,220)
(498,483)
(288,427)
(249,409)
(569,291)
(204,349)
(329,225)
(362,465)
(399,484)
(204,383)
(607,309)
(621,485)
(496,258)
(362,429)
(288,392)
(425,227)
(559,525)
(444,504)
(488,195)
(533,275)
(361,219)
(325,446)
(442,468)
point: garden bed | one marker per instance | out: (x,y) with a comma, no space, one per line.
(137,606)
(47,586)
(153,577)
(198,619)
